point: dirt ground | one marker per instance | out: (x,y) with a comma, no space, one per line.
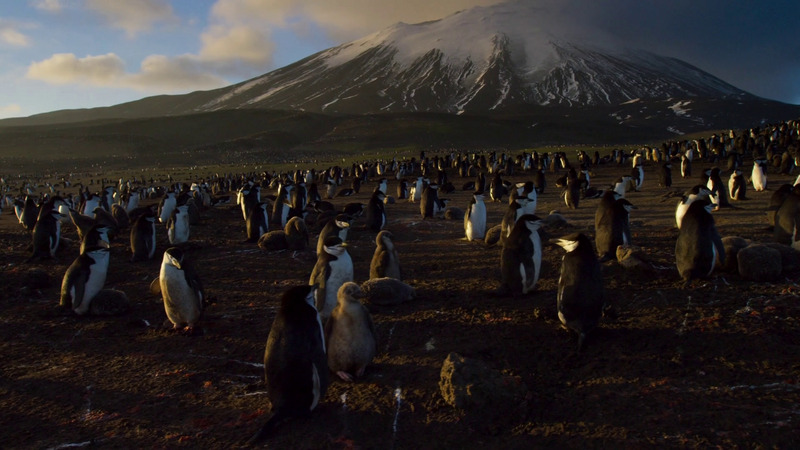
(714,365)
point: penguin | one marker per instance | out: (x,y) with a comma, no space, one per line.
(475,218)
(257,222)
(178,227)
(296,232)
(480,182)
(429,201)
(496,188)
(612,224)
(787,215)
(665,175)
(699,245)
(737,186)
(165,207)
(516,209)
(281,207)
(383,186)
(27,213)
(402,190)
(82,223)
(759,175)
(350,334)
(623,185)
(330,191)
(376,211)
(97,236)
(181,290)
(719,195)
(143,237)
(295,360)
(540,181)
(47,232)
(337,227)
(84,278)
(527,191)
(90,203)
(637,173)
(521,258)
(334,267)
(580,295)
(415,191)
(686,166)
(572,193)
(690,196)
(385,261)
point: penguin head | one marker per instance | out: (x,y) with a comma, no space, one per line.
(173,256)
(350,292)
(342,221)
(573,242)
(384,238)
(298,296)
(531,221)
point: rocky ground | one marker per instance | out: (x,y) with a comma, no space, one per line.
(712,364)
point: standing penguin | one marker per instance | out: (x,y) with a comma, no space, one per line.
(572,193)
(496,188)
(350,334)
(27,212)
(429,201)
(612,224)
(334,268)
(47,232)
(690,196)
(97,236)
(178,227)
(337,227)
(580,287)
(385,261)
(786,218)
(376,211)
(719,194)
(521,258)
(737,186)
(295,360)
(475,218)
(759,175)
(181,290)
(402,190)
(84,279)
(540,181)
(415,191)
(686,166)
(515,210)
(699,245)
(257,222)
(143,237)
(665,175)
(165,207)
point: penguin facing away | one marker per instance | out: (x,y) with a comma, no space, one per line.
(257,222)
(84,278)
(580,286)
(350,334)
(376,211)
(612,224)
(699,245)
(178,227)
(46,233)
(475,218)
(181,290)
(334,267)
(385,261)
(143,237)
(521,258)
(295,360)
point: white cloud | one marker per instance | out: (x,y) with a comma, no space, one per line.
(51,6)
(64,68)
(11,110)
(238,43)
(178,74)
(11,36)
(133,16)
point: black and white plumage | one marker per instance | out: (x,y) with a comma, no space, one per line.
(385,261)
(84,279)
(402,190)
(47,232)
(350,334)
(686,166)
(337,227)
(281,208)
(376,211)
(521,258)
(295,360)
(718,191)
(475,218)
(168,203)
(759,175)
(181,290)
(496,188)
(612,224)
(97,236)
(143,237)
(580,296)
(572,193)
(737,186)
(697,192)
(429,201)
(786,204)
(26,212)
(699,245)
(334,267)
(178,227)
(257,222)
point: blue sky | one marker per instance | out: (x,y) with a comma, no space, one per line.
(63,54)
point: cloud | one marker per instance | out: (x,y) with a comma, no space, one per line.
(11,36)
(157,73)
(51,6)
(238,43)
(133,16)
(64,68)
(11,110)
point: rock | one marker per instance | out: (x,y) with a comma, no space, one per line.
(155,287)
(759,262)
(109,302)
(732,245)
(387,291)
(790,258)
(273,240)
(471,385)
(453,213)
(493,235)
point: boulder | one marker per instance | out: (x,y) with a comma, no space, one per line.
(732,245)
(759,262)
(790,258)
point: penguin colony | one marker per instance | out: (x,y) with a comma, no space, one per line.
(326,314)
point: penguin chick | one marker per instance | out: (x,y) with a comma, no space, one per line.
(295,360)
(181,290)
(580,286)
(350,334)
(385,261)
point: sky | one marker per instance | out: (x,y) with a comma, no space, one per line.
(67,54)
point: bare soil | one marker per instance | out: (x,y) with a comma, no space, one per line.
(713,365)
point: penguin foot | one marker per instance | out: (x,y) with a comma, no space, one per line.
(345,376)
